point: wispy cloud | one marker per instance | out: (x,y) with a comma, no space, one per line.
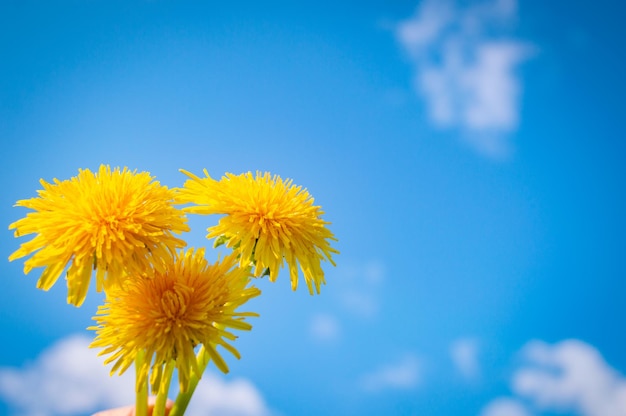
(325,328)
(505,406)
(361,303)
(570,376)
(402,375)
(361,292)
(464,353)
(215,397)
(465,63)
(68,378)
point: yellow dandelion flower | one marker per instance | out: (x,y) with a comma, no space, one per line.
(110,221)
(168,314)
(268,221)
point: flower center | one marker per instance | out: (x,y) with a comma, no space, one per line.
(174,302)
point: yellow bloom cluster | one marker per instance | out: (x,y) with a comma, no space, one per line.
(268,221)
(162,302)
(111,221)
(170,312)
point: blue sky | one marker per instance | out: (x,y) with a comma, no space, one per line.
(469,155)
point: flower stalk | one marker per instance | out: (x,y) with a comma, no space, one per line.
(141,386)
(183,398)
(164,388)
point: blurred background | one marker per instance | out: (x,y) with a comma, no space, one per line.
(469,155)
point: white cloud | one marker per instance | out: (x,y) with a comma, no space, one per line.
(464,354)
(505,407)
(69,378)
(66,379)
(465,67)
(570,376)
(215,397)
(324,327)
(402,375)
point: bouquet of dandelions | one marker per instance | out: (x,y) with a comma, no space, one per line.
(166,307)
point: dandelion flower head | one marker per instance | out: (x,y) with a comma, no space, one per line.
(168,314)
(110,221)
(267,220)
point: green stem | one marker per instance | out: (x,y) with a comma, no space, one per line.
(141,386)
(183,398)
(164,388)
